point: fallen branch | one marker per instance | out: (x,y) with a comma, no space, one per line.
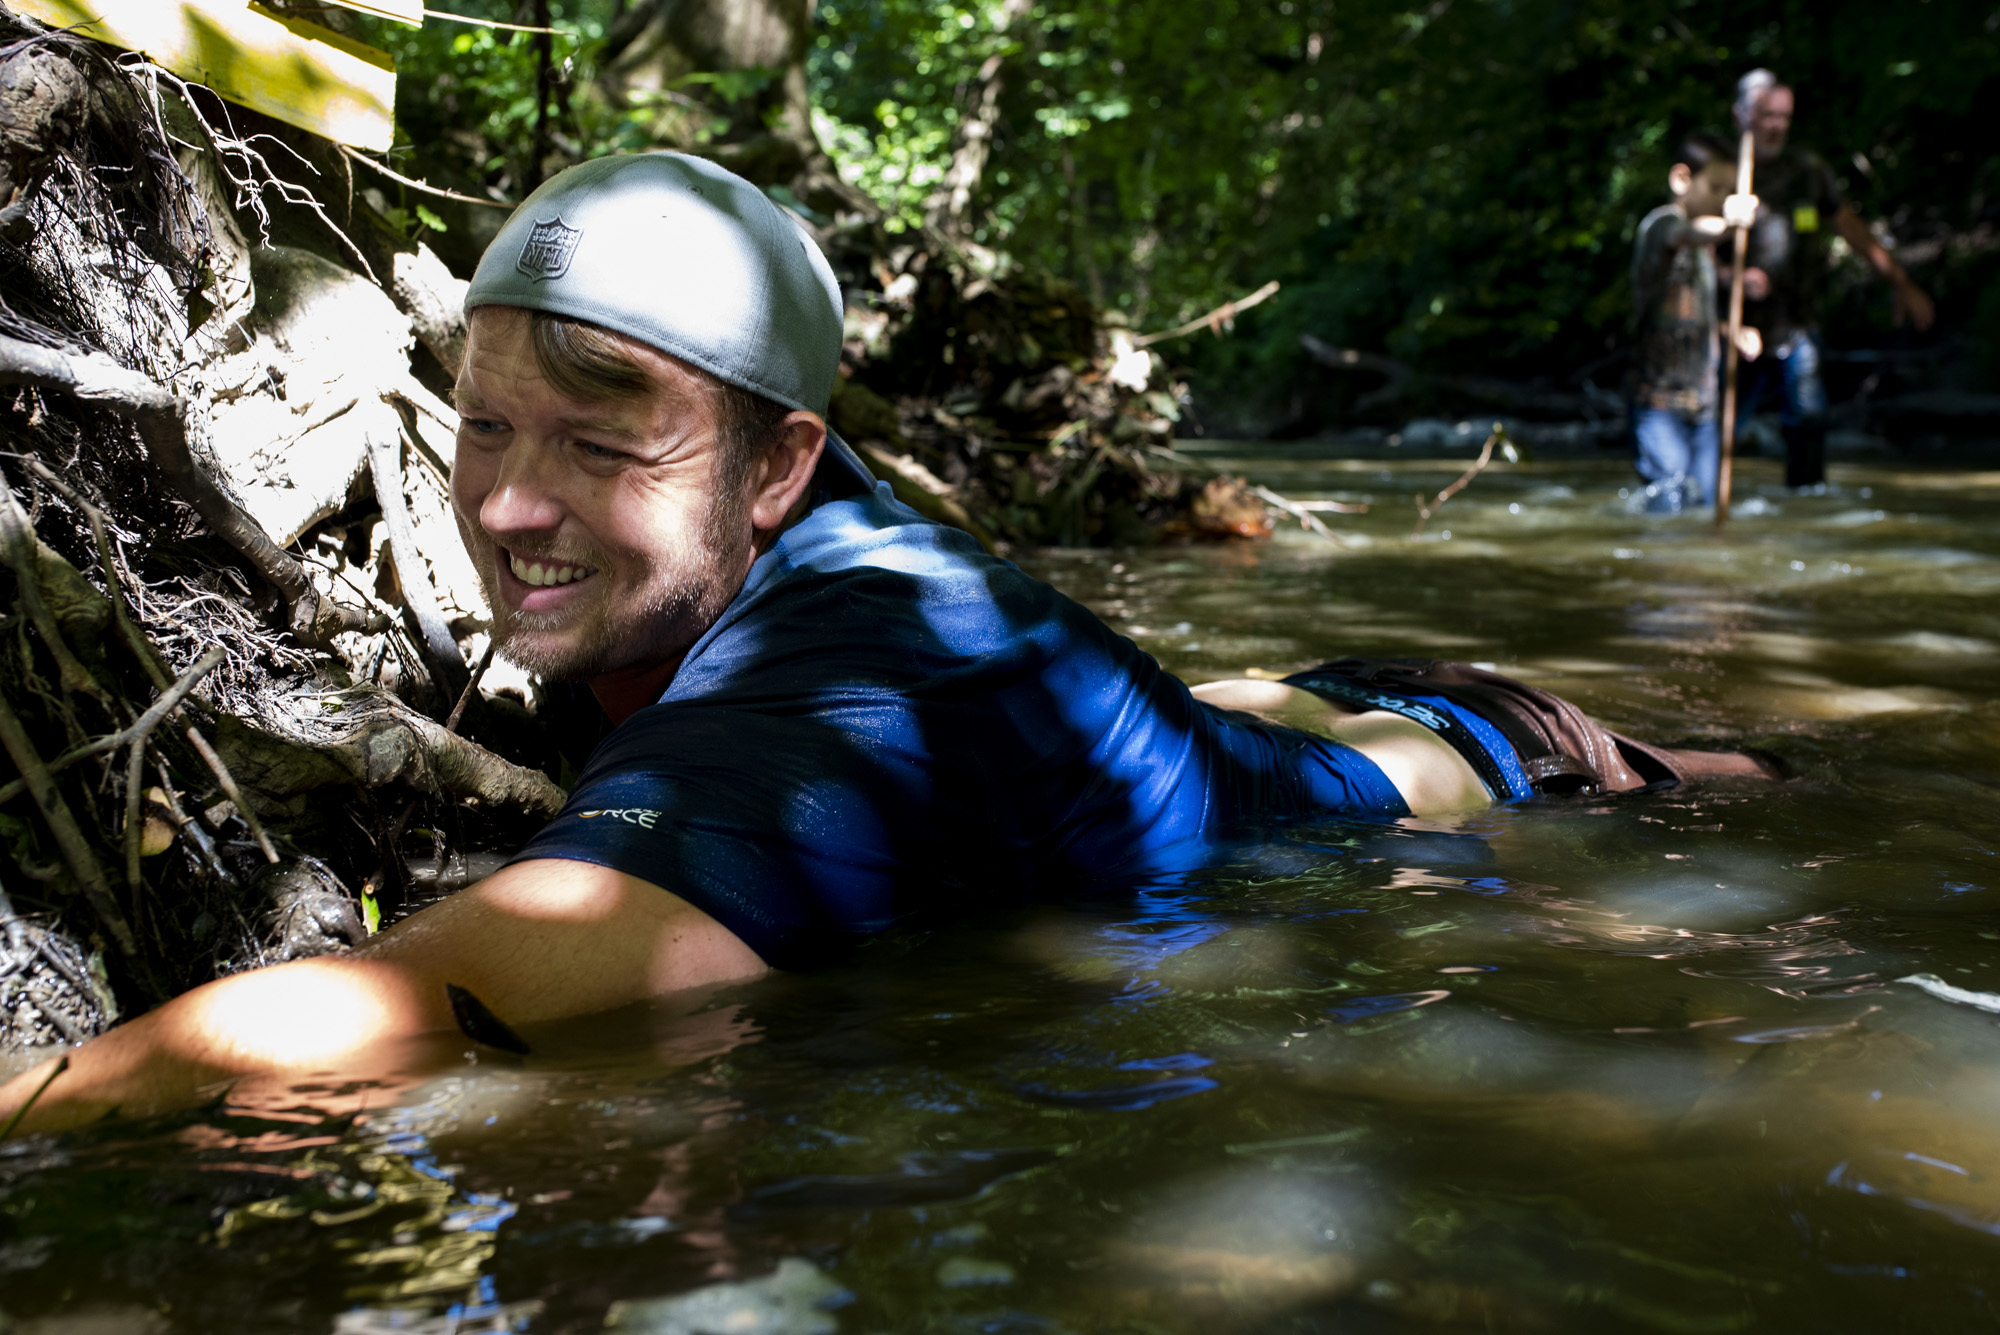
(1499,438)
(161,418)
(1222,315)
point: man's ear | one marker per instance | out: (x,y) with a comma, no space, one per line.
(786,470)
(1680,179)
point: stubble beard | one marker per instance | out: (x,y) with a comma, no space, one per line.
(683,596)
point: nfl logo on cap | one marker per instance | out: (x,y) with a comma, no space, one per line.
(547,251)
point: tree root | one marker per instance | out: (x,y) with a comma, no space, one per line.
(163,425)
(385,463)
(381,741)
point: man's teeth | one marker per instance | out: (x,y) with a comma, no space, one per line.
(536,574)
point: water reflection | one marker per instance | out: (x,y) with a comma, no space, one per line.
(1636,1064)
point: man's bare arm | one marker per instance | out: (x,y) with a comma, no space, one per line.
(1912,302)
(538,941)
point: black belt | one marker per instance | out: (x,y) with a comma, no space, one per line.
(1439,721)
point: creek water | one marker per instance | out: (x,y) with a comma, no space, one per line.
(1634,1064)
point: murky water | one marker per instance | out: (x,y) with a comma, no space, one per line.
(1626,1065)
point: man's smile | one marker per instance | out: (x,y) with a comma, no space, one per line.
(544,574)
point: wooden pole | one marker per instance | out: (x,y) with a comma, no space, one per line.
(1746,155)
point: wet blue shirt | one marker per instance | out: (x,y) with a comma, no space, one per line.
(889,725)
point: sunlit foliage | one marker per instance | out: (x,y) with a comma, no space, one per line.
(1453,181)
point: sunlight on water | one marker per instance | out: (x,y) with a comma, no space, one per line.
(1633,1064)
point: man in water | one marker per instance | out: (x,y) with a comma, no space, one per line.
(1679,354)
(833,716)
(1785,280)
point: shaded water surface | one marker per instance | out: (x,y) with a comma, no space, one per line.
(1622,1065)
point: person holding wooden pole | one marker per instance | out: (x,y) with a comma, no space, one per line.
(1679,362)
(1789,259)
(1745,158)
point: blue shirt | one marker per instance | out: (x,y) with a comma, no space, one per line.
(888,725)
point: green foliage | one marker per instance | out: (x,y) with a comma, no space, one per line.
(1455,183)
(1451,181)
(466,96)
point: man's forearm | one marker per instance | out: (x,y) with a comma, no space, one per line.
(303,1015)
(1855,232)
(539,940)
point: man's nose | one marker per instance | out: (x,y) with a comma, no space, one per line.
(526,496)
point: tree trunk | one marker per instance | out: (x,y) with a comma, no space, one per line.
(727,78)
(949,208)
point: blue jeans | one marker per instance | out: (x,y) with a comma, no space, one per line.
(1678,452)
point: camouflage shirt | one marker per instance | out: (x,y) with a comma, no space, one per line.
(1673,296)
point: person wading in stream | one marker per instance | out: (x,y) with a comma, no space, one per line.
(833,716)
(1679,357)
(1784,283)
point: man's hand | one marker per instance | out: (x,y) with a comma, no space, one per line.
(1750,343)
(537,941)
(1739,210)
(1756,283)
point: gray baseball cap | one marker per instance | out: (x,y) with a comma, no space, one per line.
(686,257)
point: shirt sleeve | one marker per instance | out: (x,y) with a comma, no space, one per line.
(781,828)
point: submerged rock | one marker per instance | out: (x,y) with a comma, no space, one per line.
(792,1300)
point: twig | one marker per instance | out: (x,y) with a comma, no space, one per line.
(232,792)
(424,186)
(1424,512)
(62,1064)
(471,686)
(186,824)
(56,815)
(135,809)
(1306,518)
(141,728)
(1213,321)
(494,23)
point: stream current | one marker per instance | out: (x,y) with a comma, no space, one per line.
(1633,1064)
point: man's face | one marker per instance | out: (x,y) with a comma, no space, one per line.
(598,528)
(1771,120)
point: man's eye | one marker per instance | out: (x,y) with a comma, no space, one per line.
(481,426)
(593,450)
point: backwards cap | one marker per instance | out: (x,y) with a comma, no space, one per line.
(685,257)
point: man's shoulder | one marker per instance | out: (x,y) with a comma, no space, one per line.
(865,589)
